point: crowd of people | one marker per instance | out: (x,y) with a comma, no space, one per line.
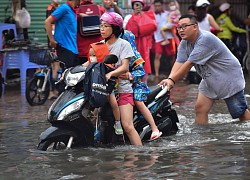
(185,39)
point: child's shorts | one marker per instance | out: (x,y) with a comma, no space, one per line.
(125,98)
(141,91)
(237,104)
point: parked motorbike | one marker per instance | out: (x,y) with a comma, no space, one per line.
(71,125)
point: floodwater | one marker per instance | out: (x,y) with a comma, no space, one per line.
(218,151)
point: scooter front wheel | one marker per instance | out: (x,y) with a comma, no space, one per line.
(59,143)
(35,94)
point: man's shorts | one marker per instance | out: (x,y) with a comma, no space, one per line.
(237,104)
(67,57)
(125,98)
(169,49)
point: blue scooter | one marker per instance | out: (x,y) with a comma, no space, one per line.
(72,125)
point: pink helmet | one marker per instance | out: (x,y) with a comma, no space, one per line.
(112,18)
(141,1)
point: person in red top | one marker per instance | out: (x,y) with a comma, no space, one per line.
(52,7)
(142,25)
(84,42)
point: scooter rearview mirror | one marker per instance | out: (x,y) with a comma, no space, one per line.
(111,59)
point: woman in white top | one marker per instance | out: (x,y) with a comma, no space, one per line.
(205,20)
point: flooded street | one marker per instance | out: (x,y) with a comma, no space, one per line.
(218,151)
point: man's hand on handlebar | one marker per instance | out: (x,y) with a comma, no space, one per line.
(167,82)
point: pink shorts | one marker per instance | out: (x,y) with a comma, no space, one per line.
(169,49)
(126,98)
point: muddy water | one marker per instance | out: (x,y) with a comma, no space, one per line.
(218,151)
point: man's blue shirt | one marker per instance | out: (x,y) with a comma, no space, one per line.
(66,27)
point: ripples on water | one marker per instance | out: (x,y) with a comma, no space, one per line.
(220,150)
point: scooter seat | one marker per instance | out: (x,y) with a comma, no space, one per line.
(154,90)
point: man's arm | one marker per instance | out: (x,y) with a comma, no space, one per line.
(116,8)
(213,23)
(48,26)
(178,71)
(181,71)
(120,70)
(175,68)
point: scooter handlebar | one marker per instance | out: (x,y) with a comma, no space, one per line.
(162,92)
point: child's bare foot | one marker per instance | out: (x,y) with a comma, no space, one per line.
(155,135)
(164,43)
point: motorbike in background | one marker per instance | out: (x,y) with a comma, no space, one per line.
(38,88)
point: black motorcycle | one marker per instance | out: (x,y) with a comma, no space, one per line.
(72,125)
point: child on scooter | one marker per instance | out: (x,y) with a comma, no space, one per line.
(97,53)
(140,88)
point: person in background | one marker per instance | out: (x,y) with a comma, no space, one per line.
(52,7)
(214,62)
(227,26)
(161,16)
(25,30)
(191,9)
(172,21)
(56,65)
(142,25)
(205,20)
(112,6)
(64,38)
(83,42)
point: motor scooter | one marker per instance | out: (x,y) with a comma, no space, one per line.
(159,106)
(71,125)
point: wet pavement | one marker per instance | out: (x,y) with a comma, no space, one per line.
(218,151)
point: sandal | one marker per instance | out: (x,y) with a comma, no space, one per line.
(155,135)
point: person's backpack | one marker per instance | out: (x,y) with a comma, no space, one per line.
(90,25)
(94,84)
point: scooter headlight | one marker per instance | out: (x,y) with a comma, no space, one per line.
(71,108)
(73,79)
